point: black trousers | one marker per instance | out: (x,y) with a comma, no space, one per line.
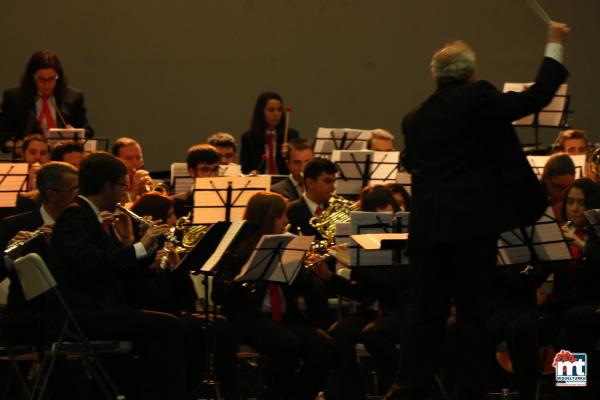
(461,270)
(300,356)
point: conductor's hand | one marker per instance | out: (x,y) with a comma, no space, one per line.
(557,32)
(153,232)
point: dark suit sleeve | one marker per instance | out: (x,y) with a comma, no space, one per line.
(75,242)
(7,118)
(75,112)
(512,105)
(246,154)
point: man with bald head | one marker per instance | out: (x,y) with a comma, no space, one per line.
(470,182)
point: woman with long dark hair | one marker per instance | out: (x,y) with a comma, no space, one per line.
(262,149)
(42,101)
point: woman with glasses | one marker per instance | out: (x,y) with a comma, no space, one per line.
(41,102)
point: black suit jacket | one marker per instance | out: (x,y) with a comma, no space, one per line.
(89,264)
(18,116)
(286,188)
(470,177)
(9,227)
(298,215)
(253,149)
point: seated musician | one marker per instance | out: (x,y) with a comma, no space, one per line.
(162,289)
(559,173)
(574,285)
(381,140)
(572,141)
(93,248)
(265,315)
(69,151)
(226,147)
(378,320)
(58,186)
(300,152)
(319,184)
(130,152)
(202,162)
(400,194)
(263,145)
(42,101)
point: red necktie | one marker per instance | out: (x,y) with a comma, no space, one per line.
(576,251)
(275,302)
(272,168)
(318,211)
(46,114)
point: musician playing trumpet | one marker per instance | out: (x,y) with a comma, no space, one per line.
(130,152)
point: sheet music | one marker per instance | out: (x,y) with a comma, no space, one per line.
(90,145)
(60,134)
(329,139)
(548,242)
(12,181)
(405,179)
(230,170)
(181,181)
(362,222)
(210,197)
(372,241)
(265,263)
(552,114)
(381,169)
(538,163)
(231,233)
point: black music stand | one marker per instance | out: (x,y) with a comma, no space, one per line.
(330,139)
(361,168)
(225,198)
(13,180)
(364,222)
(531,246)
(554,115)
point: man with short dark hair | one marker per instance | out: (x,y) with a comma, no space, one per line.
(130,152)
(202,162)
(225,145)
(300,153)
(93,249)
(69,152)
(319,183)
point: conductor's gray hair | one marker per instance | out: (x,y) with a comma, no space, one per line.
(455,62)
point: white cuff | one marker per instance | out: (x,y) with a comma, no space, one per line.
(555,51)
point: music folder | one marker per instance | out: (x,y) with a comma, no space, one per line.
(276,258)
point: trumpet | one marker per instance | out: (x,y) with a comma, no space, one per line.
(18,244)
(168,236)
(340,253)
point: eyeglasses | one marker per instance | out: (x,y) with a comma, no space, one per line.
(45,80)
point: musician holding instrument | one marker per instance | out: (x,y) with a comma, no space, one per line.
(470,182)
(93,247)
(319,176)
(130,152)
(202,162)
(42,101)
(266,315)
(225,145)
(30,232)
(264,145)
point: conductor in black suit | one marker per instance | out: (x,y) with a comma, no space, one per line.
(471,181)
(42,101)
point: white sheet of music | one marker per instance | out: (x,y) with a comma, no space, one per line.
(329,139)
(547,241)
(181,181)
(362,222)
(552,114)
(210,196)
(405,179)
(12,180)
(230,170)
(383,168)
(265,265)
(231,233)
(538,163)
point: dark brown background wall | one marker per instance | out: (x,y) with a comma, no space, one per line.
(172,72)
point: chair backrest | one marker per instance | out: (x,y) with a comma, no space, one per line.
(4,284)
(34,275)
